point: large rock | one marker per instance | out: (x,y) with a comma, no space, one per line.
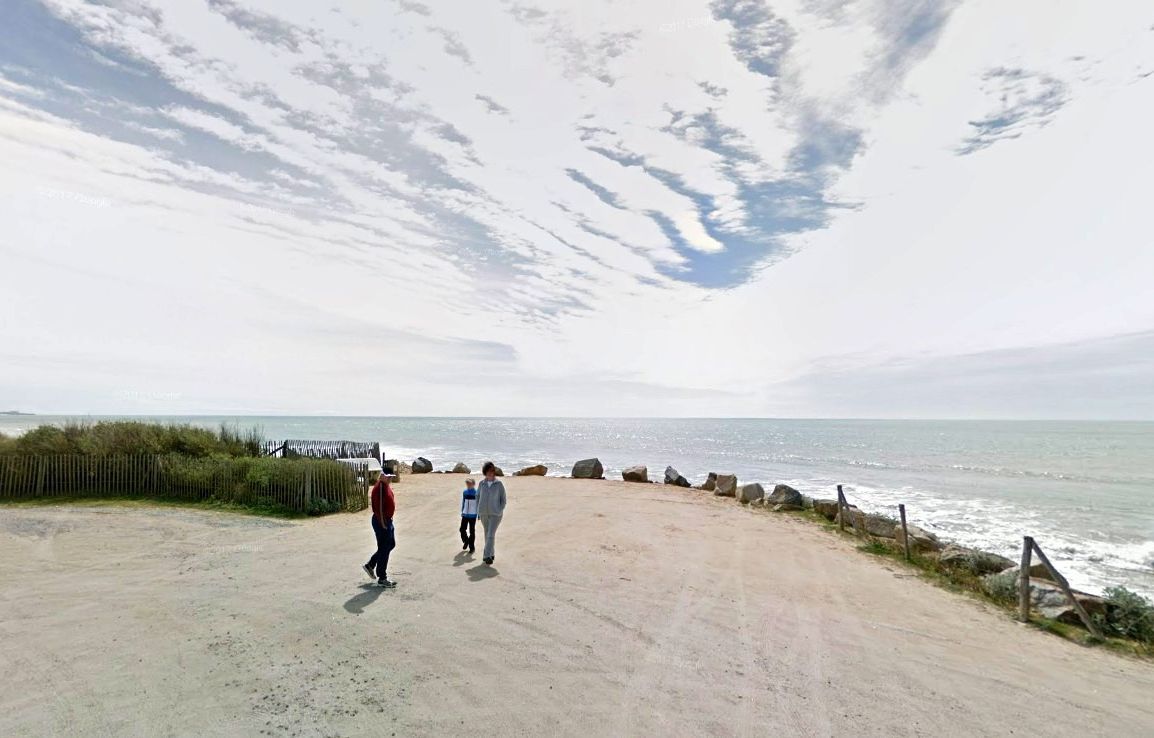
(497,471)
(422,465)
(1046,598)
(537,470)
(973,560)
(1052,602)
(878,526)
(1038,571)
(588,469)
(635,474)
(673,477)
(460,468)
(710,482)
(725,485)
(920,540)
(750,492)
(783,494)
(826,508)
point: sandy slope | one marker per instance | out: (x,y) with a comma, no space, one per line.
(613,609)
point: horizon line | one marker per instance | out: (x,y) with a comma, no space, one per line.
(79,415)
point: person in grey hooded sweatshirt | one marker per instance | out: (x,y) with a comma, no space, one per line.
(490,508)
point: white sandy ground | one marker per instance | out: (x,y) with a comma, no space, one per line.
(612,609)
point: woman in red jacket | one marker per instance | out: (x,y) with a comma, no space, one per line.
(384,505)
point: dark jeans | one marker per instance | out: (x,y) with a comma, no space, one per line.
(469,532)
(386,542)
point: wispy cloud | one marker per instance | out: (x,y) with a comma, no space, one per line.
(1023,102)
(545,175)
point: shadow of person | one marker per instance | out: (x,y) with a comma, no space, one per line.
(481,573)
(357,603)
(462,558)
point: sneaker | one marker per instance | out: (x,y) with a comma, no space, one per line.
(386,583)
(465,547)
(488,561)
(369,570)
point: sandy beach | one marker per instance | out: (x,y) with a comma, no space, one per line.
(612,609)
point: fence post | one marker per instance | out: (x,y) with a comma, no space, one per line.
(905,530)
(1061,581)
(1024,581)
(40,472)
(841,508)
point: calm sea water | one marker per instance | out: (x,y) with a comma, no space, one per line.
(1084,490)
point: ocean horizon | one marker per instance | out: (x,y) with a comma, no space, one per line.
(1084,489)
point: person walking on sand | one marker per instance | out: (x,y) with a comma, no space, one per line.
(384,505)
(469,516)
(490,508)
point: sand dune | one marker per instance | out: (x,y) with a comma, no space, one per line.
(612,609)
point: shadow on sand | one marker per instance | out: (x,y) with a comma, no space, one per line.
(357,603)
(481,573)
(462,558)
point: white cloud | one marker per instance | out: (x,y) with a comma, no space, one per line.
(702,199)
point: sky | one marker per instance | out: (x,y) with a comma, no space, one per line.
(795,208)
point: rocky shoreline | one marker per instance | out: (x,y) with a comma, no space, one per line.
(998,576)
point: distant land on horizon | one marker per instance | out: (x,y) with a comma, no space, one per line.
(14,412)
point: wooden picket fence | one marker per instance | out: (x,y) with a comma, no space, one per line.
(296,485)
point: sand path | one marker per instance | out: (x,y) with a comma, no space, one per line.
(612,609)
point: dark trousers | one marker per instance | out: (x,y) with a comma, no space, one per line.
(386,542)
(469,532)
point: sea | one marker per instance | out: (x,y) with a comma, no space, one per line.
(1083,489)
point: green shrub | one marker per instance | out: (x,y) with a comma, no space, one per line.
(132,438)
(321,506)
(1002,588)
(47,440)
(1129,615)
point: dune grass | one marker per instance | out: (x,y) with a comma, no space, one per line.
(133,437)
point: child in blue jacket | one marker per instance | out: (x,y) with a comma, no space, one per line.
(469,516)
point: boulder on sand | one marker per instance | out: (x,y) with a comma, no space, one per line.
(920,540)
(1049,599)
(672,477)
(710,482)
(460,468)
(497,472)
(973,560)
(878,526)
(635,474)
(1046,597)
(422,465)
(588,469)
(826,508)
(725,485)
(783,494)
(537,470)
(750,493)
